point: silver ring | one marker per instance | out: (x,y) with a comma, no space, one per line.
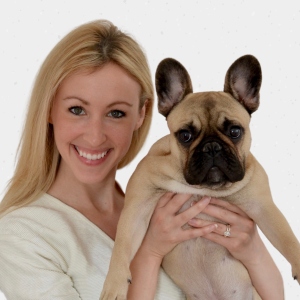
(227,232)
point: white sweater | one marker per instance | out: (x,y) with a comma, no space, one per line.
(50,251)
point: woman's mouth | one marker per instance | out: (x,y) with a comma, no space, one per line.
(89,155)
(91,158)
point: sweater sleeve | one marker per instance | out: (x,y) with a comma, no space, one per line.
(29,272)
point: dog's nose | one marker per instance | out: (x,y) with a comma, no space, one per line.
(212,148)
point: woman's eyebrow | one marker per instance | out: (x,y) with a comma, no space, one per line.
(75,97)
(119,102)
(87,103)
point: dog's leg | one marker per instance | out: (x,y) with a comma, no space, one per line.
(270,220)
(131,230)
(276,228)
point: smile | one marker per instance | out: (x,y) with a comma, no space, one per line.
(89,155)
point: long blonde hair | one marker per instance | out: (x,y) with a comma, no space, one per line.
(87,47)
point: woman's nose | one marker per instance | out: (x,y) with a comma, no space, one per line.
(95,133)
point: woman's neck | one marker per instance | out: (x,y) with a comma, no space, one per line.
(101,202)
(104,196)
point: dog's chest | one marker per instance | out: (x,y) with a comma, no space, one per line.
(202,216)
(206,270)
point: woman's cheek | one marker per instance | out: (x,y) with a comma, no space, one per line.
(124,136)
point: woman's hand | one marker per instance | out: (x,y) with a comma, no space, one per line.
(244,242)
(163,234)
(165,229)
(245,245)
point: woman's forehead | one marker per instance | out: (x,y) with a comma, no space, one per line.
(109,81)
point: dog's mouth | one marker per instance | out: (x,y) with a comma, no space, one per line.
(213,170)
(215,176)
(215,179)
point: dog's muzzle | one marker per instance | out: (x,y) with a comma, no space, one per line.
(213,163)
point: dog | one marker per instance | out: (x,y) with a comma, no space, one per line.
(206,153)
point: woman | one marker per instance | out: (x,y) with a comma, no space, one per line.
(89,114)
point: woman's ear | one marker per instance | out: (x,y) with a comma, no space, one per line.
(50,119)
(141,116)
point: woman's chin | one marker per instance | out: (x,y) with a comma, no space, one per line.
(93,177)
(90,180)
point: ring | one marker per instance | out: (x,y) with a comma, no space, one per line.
(227,232)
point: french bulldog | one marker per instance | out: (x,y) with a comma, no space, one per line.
(206,153)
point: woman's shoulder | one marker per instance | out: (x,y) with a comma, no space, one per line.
(46,219)
(36,222)
(49,219)
(43,211)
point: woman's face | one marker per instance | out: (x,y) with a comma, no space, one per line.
(94,116)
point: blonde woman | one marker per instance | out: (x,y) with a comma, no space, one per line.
(89,115)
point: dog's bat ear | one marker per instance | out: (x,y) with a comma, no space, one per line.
(243,81)
(173,83)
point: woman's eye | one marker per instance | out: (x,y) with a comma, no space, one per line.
(77,110)
(116,114)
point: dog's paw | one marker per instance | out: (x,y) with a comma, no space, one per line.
(115,287)
(296,274)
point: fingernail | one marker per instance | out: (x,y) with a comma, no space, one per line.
(192,222)
(193,203)
(214,226)
(205,199)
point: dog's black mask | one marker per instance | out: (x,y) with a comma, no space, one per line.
(213,163)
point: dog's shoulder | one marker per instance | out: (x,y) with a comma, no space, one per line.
(161,147)
(155,158)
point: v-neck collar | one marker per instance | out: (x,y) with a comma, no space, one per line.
(66,207)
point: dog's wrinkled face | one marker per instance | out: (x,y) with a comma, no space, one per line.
(210,134)
(211,131)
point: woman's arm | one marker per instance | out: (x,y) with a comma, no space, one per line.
(30,271)
(163,234)
(265,275)
(245,245)
(144,271)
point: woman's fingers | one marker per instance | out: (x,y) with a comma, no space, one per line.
(165,230)
(192,211)
(195,222)
(242,224)
(228,206)
(219,230)
(223,214)
(164,199)
(196,232)
(176,202)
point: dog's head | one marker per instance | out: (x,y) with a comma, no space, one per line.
(210,134)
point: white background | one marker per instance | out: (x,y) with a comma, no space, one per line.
(206,37)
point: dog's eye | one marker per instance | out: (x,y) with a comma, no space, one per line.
(185,136)
(235,132)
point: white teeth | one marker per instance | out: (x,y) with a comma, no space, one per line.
(79,151)
(90,156)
